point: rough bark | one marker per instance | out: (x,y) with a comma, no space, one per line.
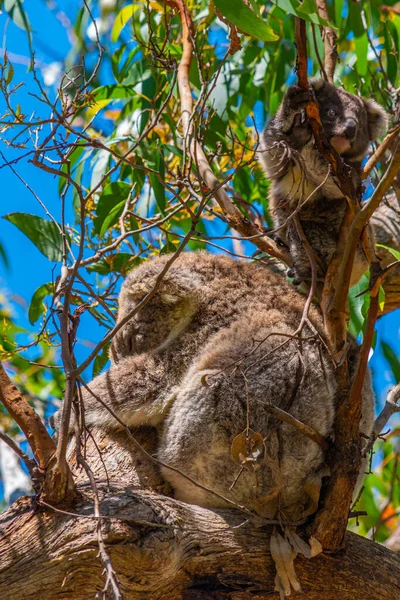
(164,549)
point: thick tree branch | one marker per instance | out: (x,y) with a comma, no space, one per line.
(164,549)
(26,418)
(338,308)
(331,522)
(56,485)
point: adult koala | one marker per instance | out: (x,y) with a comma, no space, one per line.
(202,361)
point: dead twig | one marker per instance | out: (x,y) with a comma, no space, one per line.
(310,432)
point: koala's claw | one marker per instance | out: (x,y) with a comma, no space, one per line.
(297,98)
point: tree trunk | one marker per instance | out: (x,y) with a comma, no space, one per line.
(164,549)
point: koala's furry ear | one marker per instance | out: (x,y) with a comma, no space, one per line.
(317,83)
(378,119)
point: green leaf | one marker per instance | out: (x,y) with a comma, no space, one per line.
(156,184)
(4,258)
(110,205)
(392,359)
(121,20)
(43,233)
(377,482)
(356,304)
(112,217)
(10,73)
(37,308)
(238,13)
(392,251)
(113,92)
(306,10)
(101,360)
(119,263)
(361,44)
(17,13)
(381,298)
(174,150)
(338,12)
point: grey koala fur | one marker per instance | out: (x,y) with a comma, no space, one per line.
(191,359)
(301,177)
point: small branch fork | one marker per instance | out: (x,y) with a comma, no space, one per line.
(345,459)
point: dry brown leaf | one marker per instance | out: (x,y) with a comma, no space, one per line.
(299,545)
(248,449)
(267,505)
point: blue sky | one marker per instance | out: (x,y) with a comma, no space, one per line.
(28,267)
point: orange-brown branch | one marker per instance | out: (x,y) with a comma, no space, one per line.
(356,228)
(232,214)
(26,418)
(56,486)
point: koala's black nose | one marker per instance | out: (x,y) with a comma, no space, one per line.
(350,129)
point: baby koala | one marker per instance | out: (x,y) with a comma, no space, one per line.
(202,362)
(301,178)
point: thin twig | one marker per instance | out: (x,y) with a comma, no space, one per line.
(27,460)
(310,432)
(329,36)
(380,151)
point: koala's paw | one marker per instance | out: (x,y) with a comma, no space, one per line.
(297,98)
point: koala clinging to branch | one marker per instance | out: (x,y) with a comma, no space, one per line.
(302,179)
(202,361)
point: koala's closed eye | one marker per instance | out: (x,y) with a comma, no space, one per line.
(159,322)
